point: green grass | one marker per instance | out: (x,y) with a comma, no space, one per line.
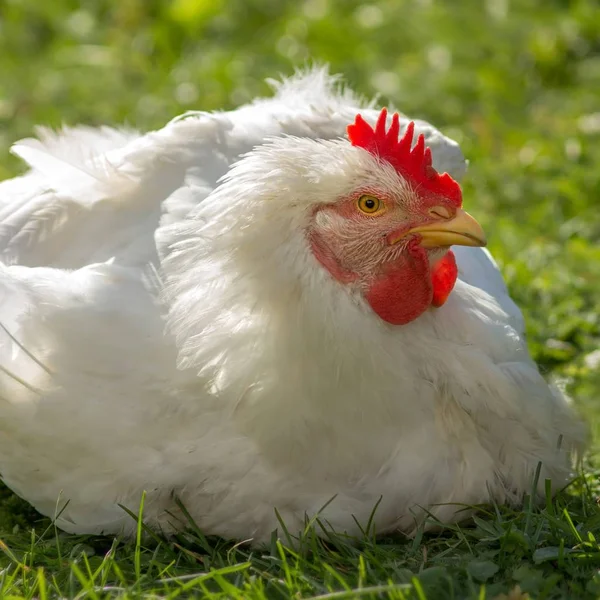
(517,83)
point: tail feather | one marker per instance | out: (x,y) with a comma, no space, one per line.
(74,162)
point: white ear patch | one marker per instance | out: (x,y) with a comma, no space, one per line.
(328,220)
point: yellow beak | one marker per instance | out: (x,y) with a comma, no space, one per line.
(461,230)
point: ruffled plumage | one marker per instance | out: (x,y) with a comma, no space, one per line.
(164,330)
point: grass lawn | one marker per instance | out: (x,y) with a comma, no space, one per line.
(518,84)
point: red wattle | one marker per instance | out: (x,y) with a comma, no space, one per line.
(404,291)
(443,278)
(410,286)
(406,288)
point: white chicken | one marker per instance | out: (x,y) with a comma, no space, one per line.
(257,313)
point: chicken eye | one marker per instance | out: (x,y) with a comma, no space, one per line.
(369,204)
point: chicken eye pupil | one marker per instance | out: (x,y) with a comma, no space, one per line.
(369,204)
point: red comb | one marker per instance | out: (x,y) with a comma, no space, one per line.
(413,164)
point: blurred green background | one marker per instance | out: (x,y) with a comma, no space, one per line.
(517,83)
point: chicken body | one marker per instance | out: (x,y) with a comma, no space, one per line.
(168,333)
